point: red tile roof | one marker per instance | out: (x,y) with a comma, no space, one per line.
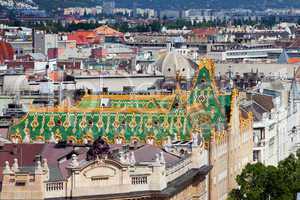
(107,31)
(293,60)
(25,64)
(83,37)
(6,51)
(204,32)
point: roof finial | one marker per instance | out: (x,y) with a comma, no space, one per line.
(38,168)
(52,139)
(178,80)
(74,163)
(45,164)
(162,158)
(157,159)
(26,140)
(6,169)
(123,158)
(15,166)
(132,158)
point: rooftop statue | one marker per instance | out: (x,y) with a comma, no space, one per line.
(99,149)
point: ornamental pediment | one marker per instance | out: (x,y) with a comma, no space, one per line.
(97,171)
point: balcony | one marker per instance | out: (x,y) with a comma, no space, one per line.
(55,189)
(260,143)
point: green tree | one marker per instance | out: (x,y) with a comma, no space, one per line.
(260,182)
(156,26)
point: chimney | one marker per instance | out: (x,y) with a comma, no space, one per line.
(14,150)
(38,157)
(33,37)
(2,144)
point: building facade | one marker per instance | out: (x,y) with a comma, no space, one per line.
(195,111)
(107,172)
(231,150)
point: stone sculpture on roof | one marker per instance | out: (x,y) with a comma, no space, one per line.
(99,149)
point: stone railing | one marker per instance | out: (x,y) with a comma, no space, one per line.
(54,186)
(55,189)
(110,189)
(138,180)
(178,169)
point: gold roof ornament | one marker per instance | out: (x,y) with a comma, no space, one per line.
(208,64)
(105,137)
(99,124)
(250,115)
(120,137)
(178,122)
(72,139)
(107,123)
(151,139)
(89,135)
(234,95)
(67,122)
(35,123)
(134,139)
(83,122)
(166,124)
(133,123)
(149,122)
(57,135)
(116,123)
(51,122)
(40,138)
(178,80)
(235,92)
(16,138)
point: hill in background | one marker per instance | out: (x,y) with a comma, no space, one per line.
(173,4)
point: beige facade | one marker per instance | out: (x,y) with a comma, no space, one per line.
(109,178)
(230,151)
(22,185)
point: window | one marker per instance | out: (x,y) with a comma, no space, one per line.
(99,178)
(222,175)
(128,89)
(137,180)
(270,116)
(105,90)
(20,183)
(255,155)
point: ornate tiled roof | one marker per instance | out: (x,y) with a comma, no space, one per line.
(124,118)
(107,31)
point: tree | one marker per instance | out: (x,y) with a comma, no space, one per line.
(123,27)
(260,182)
